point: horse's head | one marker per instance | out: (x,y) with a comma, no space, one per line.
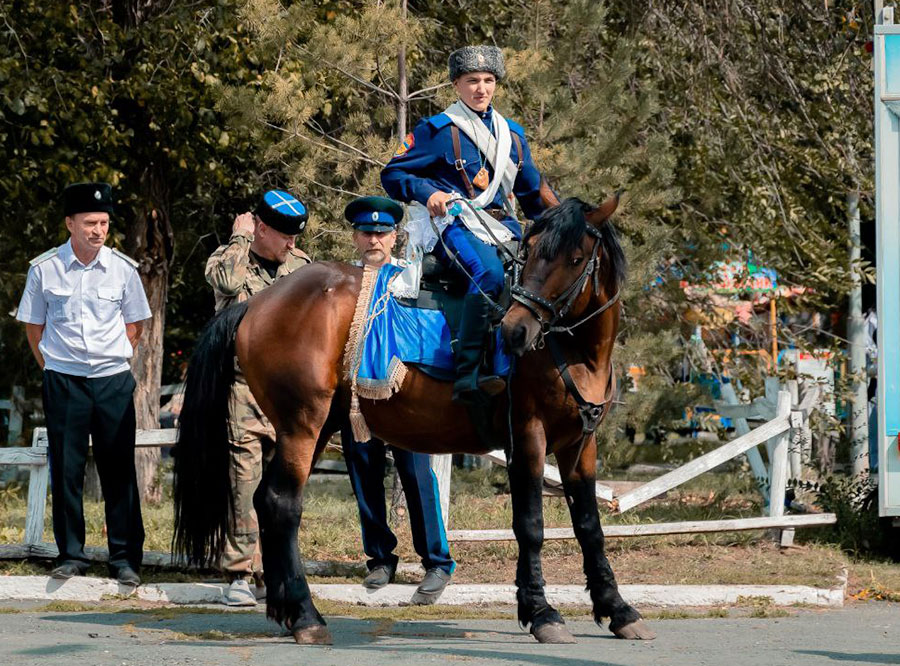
(573,268)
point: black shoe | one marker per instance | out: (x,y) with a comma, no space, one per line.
(68,570)
(128,576)
(379,577)
(474,327)
(430,588)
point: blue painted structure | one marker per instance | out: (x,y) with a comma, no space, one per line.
(886,51)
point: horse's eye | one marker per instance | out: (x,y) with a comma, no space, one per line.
(577,260)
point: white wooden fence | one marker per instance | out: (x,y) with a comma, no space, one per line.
(775,434)
(783,420)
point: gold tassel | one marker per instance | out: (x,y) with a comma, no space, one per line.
(357,420)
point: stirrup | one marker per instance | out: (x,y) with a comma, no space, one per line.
(491,385)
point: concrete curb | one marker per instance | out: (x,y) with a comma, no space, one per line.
(96,589)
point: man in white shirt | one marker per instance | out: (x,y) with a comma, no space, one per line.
(83,310)
(374,221)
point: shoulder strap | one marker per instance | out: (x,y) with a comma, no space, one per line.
(124,256)
(519,154)
(44,257)
(457,154)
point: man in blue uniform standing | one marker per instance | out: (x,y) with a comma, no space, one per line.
(374,221)
(469,151)
(83,310)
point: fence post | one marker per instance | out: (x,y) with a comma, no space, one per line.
(16,407)
(779,462)
(760,473)
(442,465)
(37,492)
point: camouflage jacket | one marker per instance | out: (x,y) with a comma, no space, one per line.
(235,274)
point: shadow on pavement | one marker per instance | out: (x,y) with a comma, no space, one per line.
(864,657)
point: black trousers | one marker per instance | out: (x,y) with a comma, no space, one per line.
(102,407)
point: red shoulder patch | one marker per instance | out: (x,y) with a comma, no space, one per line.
(406,145)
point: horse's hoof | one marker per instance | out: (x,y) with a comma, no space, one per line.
(314,634)
(553,632)
(635,631)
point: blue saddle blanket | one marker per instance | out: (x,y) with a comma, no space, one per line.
(395,334)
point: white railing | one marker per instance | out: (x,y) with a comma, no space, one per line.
(775,434)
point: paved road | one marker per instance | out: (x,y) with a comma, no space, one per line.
(864,634)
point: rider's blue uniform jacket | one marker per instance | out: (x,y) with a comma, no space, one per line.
(424,164)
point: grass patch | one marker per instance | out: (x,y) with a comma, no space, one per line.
(9,611)
(68,607)
(411,613)
(330,531)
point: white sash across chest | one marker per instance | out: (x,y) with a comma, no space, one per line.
(420,226)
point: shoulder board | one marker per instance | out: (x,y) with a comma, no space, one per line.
(516,127)
(49,254)
(124,256)
(297,253)
(439,121)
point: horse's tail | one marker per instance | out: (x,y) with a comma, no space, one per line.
(203,496)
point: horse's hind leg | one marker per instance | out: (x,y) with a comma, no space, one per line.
(279,506)
(579,483)
(526,486)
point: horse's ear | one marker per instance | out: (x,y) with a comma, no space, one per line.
(548,196)
(604,211)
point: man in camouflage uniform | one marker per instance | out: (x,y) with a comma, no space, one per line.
(260,251)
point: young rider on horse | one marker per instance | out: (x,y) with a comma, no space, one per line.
(469,151)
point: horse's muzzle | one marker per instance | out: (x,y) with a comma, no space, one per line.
(520,330)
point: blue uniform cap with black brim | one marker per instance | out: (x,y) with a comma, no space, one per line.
(87,198)
(283,212)
(374,214)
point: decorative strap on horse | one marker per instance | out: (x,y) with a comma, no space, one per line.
(592,413)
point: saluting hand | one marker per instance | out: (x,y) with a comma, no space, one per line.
(244,224)
(437,204)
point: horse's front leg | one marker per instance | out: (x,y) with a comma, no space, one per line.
(526,472)
(579,482)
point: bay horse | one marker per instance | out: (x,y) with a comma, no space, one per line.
(289,341)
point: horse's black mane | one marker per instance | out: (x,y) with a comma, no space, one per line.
(562,228)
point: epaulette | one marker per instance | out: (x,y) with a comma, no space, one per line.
(41,258)
(516,127)
(124,256)
(439,121)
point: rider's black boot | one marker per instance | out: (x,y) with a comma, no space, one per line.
(473,331)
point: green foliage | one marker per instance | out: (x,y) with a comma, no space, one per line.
(86,94)
(858,530)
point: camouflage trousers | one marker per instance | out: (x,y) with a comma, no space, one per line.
(252,443)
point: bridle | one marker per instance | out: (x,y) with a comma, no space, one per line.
(559,307)
(592,413)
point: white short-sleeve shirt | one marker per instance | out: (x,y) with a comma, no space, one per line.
(84,310)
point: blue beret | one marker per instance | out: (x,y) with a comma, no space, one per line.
(282,211)
(378,214)
(87,198)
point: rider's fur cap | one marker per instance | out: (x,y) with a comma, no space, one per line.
(476,59)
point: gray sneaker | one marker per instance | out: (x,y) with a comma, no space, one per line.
(239,594)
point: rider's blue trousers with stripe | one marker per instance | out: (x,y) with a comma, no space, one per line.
(480,260)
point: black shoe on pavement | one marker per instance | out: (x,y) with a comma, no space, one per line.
(68,570)
(379,577)
(430,588)
(128,576)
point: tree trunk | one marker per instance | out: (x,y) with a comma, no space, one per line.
(149,241)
